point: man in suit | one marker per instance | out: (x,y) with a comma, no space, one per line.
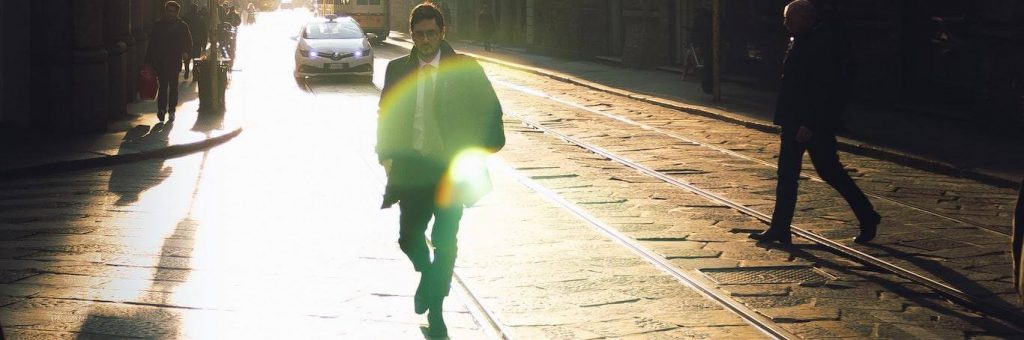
(809,110)
(435,105)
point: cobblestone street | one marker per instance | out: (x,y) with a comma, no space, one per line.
(278,234)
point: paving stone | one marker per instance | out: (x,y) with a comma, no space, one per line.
(824,329)
(802,313)
(625,327)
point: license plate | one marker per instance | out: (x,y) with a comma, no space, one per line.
(340,66)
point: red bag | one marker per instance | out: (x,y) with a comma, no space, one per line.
(147,83)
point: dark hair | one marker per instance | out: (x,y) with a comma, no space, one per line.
(174,4)
(426,11)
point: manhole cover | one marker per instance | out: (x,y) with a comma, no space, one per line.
(934,244)
(765,275)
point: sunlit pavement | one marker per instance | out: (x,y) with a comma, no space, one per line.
(274,235)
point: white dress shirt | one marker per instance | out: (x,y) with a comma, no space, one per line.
(419,122)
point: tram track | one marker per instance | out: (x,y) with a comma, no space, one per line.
(1013,317)
(677,136)
(957,296)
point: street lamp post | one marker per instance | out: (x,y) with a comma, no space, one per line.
(716,49)
(212,64)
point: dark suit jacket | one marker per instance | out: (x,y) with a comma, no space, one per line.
(469,116)
(814,81)
(168,40)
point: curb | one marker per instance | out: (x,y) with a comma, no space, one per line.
(172,151)
(844,143)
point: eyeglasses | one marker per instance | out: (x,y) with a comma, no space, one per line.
(431,34)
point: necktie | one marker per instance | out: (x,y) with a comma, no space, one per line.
(432,142)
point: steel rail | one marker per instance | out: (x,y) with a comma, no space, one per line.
(815,178)
(1014,318)
(689,279)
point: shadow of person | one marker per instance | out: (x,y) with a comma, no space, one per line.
(154,315)
(130,180)
(881,278)
(951,277)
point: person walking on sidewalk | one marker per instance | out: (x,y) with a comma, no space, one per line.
(233,17)
(702,38)
(486,24)
(436,104)
(169,45)
(194,20)
(809,110)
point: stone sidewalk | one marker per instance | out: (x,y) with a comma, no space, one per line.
(930,143)
(138,136)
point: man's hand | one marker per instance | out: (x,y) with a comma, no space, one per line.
(804,134)
(387,165)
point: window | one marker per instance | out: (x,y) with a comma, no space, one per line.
(336,30)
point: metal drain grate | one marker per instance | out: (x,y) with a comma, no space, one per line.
(765,275)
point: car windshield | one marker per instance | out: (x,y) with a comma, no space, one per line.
(333,30)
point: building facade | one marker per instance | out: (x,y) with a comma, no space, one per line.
(957,59)
(70,65)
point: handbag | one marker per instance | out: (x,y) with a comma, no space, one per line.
(147,83)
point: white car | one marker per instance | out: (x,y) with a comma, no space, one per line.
(333,46)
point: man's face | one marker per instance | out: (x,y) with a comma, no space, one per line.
(426,37)
(170,12)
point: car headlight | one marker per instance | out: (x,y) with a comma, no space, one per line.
(362,52)
(307,53)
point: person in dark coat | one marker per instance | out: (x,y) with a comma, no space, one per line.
(702,38)
(809,110)
(1017,243)
(233,17)
(194,19)
(436,107)
(170,43)
(485,23)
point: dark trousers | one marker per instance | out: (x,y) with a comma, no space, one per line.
(167,93)
(487,37)
(822,148)
(417,207)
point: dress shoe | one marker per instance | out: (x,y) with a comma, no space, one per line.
(436,321)
(160,116)
(170,116)
(868,229)
(771,236)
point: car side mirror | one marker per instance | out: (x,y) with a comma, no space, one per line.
(371,36)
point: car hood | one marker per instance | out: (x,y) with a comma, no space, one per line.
(333,45)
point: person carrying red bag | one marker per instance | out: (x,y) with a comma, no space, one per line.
(169,45)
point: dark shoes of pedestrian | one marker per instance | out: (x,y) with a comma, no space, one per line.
(771,236)
(171,116)
(868,229)
(160,116)
(421,300)
(436,321)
